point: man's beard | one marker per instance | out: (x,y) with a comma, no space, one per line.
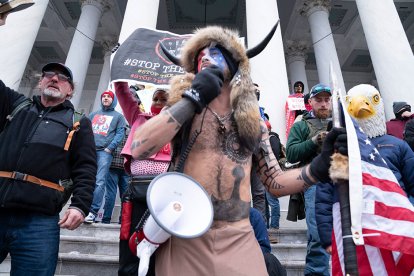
(322,114)
(53,93)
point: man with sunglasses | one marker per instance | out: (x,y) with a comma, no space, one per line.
(304,144)
(45,156)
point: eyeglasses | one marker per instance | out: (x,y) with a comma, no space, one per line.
(61,77)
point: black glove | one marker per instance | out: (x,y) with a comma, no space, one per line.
(335,141)
(205,87)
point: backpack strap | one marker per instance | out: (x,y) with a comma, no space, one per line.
(19,107)
(76,117)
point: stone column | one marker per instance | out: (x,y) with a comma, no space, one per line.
(17,38)
(106,72)
(296,61)
(317,12)
(268,68)
(82,43)
(30,81)
(390,51)
(139,13)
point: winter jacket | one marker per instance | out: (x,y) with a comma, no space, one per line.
(395,127)
(299,146)
(33,143)
(108,127)
(399,158)
(135,118)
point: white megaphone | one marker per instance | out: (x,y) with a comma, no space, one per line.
(179,206)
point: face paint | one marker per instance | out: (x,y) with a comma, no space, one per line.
(211,55)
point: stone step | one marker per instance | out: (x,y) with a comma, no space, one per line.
(289,251)
(109,247)
(97,230)
(87,264)
(288,235)
(89,245)
(294,268)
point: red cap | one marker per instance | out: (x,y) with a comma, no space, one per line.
(110,93)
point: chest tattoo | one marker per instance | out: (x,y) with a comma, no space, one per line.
(230,146)
(232,209)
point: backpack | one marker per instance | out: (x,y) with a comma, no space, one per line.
(408,134)
(76,117)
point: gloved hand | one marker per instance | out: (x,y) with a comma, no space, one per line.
(319,138)
(335,141)
(205,87)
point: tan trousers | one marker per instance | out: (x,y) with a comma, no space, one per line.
(226,250)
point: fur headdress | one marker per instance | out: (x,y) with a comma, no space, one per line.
(243,98)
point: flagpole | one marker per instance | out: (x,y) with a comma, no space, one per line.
(349,248)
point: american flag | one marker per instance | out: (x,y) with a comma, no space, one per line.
(386,217)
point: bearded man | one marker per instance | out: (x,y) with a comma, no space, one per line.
(214,123)
(45,156)
(304,143)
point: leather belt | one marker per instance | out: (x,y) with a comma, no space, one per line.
(32,179)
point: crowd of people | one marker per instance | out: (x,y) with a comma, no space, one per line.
(208,125)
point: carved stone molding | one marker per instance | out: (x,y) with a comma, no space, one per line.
(310,6)
(108,43)
(103,5)
(296,48)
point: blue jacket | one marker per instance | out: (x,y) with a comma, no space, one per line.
(399,158)
(108,127)
(260,231)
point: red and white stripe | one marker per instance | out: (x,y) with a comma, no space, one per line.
(387,226)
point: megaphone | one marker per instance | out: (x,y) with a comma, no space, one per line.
(179,206)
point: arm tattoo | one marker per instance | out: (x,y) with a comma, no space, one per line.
(136,143)
(268,172)
(147,153)
(180,112)
(304,176)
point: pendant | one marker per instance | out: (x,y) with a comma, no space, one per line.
(221,129)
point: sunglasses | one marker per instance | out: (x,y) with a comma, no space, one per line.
(61,77)
(321,89)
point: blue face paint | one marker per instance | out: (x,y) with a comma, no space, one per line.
(211,55)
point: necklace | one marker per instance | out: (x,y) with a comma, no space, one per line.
(221,120)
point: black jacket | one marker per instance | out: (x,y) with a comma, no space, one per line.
(33,143)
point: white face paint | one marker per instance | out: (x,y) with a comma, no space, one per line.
(211,56)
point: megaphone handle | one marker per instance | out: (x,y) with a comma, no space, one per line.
(143,263)
(144,251)
(143,220)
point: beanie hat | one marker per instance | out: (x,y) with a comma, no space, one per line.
(400,107)
(110,93)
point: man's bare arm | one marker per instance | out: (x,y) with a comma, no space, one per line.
(276,181)
(159,130)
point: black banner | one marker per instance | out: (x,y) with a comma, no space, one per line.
(140,57)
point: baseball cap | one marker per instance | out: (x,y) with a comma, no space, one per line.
(319,88)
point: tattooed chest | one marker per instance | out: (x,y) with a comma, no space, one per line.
(221,139)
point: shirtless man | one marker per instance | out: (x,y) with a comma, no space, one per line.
(216,101)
